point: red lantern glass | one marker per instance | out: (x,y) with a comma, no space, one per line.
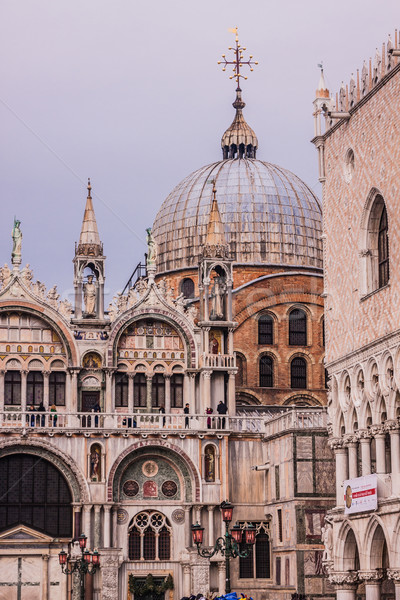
(87,557)
(250,533)
(197,532)
(96,558)
(237,533)
(62,557)
(82,541)
(227,510)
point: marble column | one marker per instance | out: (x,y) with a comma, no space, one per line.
(73,399)
(97,527)
(192,393)
(45,577)
(148,392)
(167,380)
(393,428)
(373,583)
(87,525)
(379,436)
(109,384)
(206,395)
(130,392)
(365,442)
(206,303)
(197,513)
(186,581)
(2,373)
(46,389)
(77,520)
(114,526)
(24,375)
(188,525)
(231,395)
(210,525)
(221,577)
(394,575)
(229,298)
(352,446)
(340,450)
(346,583)
(106,527)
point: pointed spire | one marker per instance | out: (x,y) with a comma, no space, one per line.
(216,244)
(322,90)
(89,241)
(239,140)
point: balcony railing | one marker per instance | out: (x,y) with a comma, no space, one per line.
(218,361)
(132,422)
(297,418)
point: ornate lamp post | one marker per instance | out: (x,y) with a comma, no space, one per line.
(229,544)
(89,562)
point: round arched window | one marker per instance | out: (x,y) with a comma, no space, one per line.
(187,287)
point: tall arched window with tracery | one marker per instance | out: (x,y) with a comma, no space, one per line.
(383,249)
(149,536)
(374,251)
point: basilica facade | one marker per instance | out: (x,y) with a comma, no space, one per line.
(203,382)
(357,142)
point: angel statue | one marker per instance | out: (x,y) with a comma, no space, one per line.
(17,242)
(152,248)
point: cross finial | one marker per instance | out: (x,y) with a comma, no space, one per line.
(89,188)
(238,60)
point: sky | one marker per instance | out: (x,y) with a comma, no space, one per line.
(130,94)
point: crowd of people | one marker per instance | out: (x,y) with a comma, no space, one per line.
(215,596)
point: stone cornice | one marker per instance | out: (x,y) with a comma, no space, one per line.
(354,357)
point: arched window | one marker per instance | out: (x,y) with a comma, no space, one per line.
(57,389)
(187,287)
(266,330)
(266,371)
(298,373)
(158,390)
(297,328)
(121,389)
(12,388)
(34,388)
(241,375)
(149,537)
(258,563)
(139,390)
(383,249)
(177,391)
(34,493)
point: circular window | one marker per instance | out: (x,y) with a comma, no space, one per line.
(169,488)
(130,488)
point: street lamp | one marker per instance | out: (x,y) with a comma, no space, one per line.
(228,545)
(89,562)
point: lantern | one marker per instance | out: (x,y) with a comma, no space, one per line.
(82,541)
(87,557)
(250,533)
(227,510)
(62,557)
(197,532)
(96,558)
(237,533)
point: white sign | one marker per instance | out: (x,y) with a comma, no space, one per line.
(360,494)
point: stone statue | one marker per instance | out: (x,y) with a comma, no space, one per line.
(39,289)
(27,276)
(17,242)
(65,308)
(152,249)
(121,302)
(389,59)
(191,313)
(132,297)
(217,311)
(89,296)
(141,287)
(342,98)
(180,303)
(353,91)
(5,275)
(163,287)
(364,79)
(376,71)
(327,540)
(170,295)
(53,297)
(112,312)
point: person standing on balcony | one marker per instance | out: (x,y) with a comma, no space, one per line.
(53,417)
(41,408)
(186,412)
(222,409)
(209,411)
(161,410)
(96,409)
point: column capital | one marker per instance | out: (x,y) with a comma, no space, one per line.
(149,376)
(393,574)
(336,444)
(391,426)
(169,375)
(186,569)
(344,579)
(24,371)
(131,375)
(377,430)
(350,440)
(74,371)
(371,576)
(107,507)
(87,507)
(211,507)
(46,373)
(46,557)
(363,434)
(97,508)
(206,374)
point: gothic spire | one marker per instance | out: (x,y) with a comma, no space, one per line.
(216,244)
(89,241)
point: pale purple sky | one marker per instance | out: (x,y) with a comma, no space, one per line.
(130,94)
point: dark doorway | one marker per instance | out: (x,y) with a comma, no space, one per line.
(89,401)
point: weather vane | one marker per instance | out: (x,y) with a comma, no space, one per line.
(238,61)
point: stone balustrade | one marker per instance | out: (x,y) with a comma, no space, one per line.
(218,361)
(296,419)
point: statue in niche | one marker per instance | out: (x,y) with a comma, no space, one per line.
(217,311)
(95,464)
(327,540)
(89,296)
(213,345)
(151,249)
(17,242)
(209,464)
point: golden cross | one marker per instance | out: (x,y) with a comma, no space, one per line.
(238,60)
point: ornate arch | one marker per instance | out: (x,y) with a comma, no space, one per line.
(346,547)
(65,464)
(160,314)
(165,449)
(375,538)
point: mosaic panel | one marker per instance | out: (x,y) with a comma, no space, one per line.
(155,479)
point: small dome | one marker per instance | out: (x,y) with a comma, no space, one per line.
(270,216)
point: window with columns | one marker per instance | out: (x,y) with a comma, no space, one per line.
(177,391)
(139,390)
(57,389)
(121,390)
(149,537)
(258,563)
(34,388)
(12,388)
(158,390)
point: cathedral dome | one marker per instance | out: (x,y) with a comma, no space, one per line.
(270,216)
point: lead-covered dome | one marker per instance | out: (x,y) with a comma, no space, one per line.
(270,216)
